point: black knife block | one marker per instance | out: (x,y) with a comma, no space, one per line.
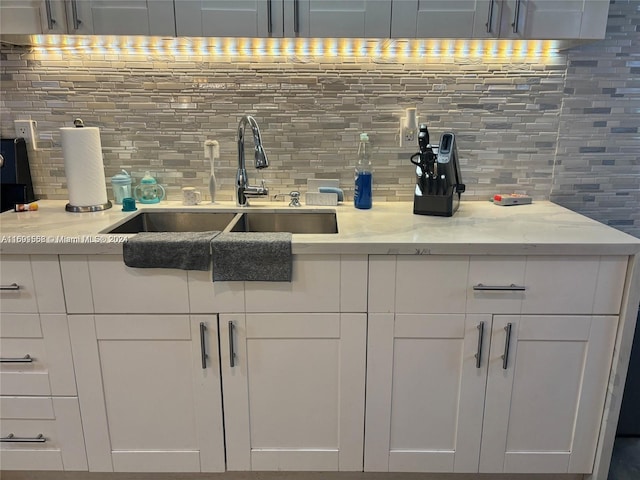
(437,205)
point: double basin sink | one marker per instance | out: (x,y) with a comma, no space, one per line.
(294,221)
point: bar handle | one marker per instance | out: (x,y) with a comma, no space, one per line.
(478,354)
(74,14)
(232,353)
(203,347)
(490,16)
(296,16)
(12,286)
(516,17)
(26,359)
(507,341)
(13,439)
(269,18)
(50,20)
(509,288)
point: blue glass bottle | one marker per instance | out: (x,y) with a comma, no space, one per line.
(364,176)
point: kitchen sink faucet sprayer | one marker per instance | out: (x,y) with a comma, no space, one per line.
(243,189)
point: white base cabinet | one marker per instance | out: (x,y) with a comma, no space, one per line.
(457,384)
(150,399)
(294,390)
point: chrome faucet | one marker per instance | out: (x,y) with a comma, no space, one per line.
(243,189)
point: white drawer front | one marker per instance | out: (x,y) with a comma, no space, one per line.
(18,292)
(546,285)
(31,284)
(41,433)
(36,355)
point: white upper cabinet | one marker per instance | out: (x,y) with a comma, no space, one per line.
(517,19)
(337,18)
(283,18)
(229,18)
(87,17)
(33,16)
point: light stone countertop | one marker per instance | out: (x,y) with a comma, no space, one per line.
(478,228)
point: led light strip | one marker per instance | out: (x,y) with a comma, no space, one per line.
(338,48)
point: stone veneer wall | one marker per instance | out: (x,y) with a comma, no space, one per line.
(564,128)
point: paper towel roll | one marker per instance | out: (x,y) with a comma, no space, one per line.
(82,152)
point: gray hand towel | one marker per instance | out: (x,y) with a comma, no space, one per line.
(248,256)
(183,250)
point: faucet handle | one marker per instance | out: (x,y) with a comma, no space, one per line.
(295,199)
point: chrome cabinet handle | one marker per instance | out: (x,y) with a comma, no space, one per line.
(12,438)
(74,13)
(516,17)
(13,286)
(203,347)
(510,288)
(478,354)
(507,340)
(26,359)
(50,20)
(269,17)
(490,16)
(232,353)
(296,17)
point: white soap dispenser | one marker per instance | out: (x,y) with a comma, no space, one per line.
(212,151)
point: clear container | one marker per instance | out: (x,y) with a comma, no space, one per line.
(121,185)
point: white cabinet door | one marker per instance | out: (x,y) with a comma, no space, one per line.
(545,399)
(337,18)
(229,18)
(542,19)
(294,391)
(426,377)
(119,17)
(148,401)
(444,18)
(32,16)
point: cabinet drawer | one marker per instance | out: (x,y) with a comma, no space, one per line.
(36,355)
(104,284)
(30,284)
(546,285)
(41,433)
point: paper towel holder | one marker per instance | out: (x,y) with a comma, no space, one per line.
(78,123)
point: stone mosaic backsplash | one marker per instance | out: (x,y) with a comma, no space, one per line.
(562,127)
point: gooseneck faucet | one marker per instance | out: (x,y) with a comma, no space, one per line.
(243,189)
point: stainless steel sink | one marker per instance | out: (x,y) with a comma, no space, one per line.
(175,222)
(294,221)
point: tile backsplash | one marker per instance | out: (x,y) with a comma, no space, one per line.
(563,128)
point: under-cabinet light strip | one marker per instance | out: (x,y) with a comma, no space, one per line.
(338,48)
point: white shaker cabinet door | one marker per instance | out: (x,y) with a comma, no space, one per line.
(116,17)
(545,393)
(337,18)
(426,377)
(293,390)
(229,18)
(148,402)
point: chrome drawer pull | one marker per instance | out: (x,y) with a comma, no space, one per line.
(501,288)
(12,438)
(232,353)
(203,347)
(478,354)
(507,340)
(13,286)
(26,359)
